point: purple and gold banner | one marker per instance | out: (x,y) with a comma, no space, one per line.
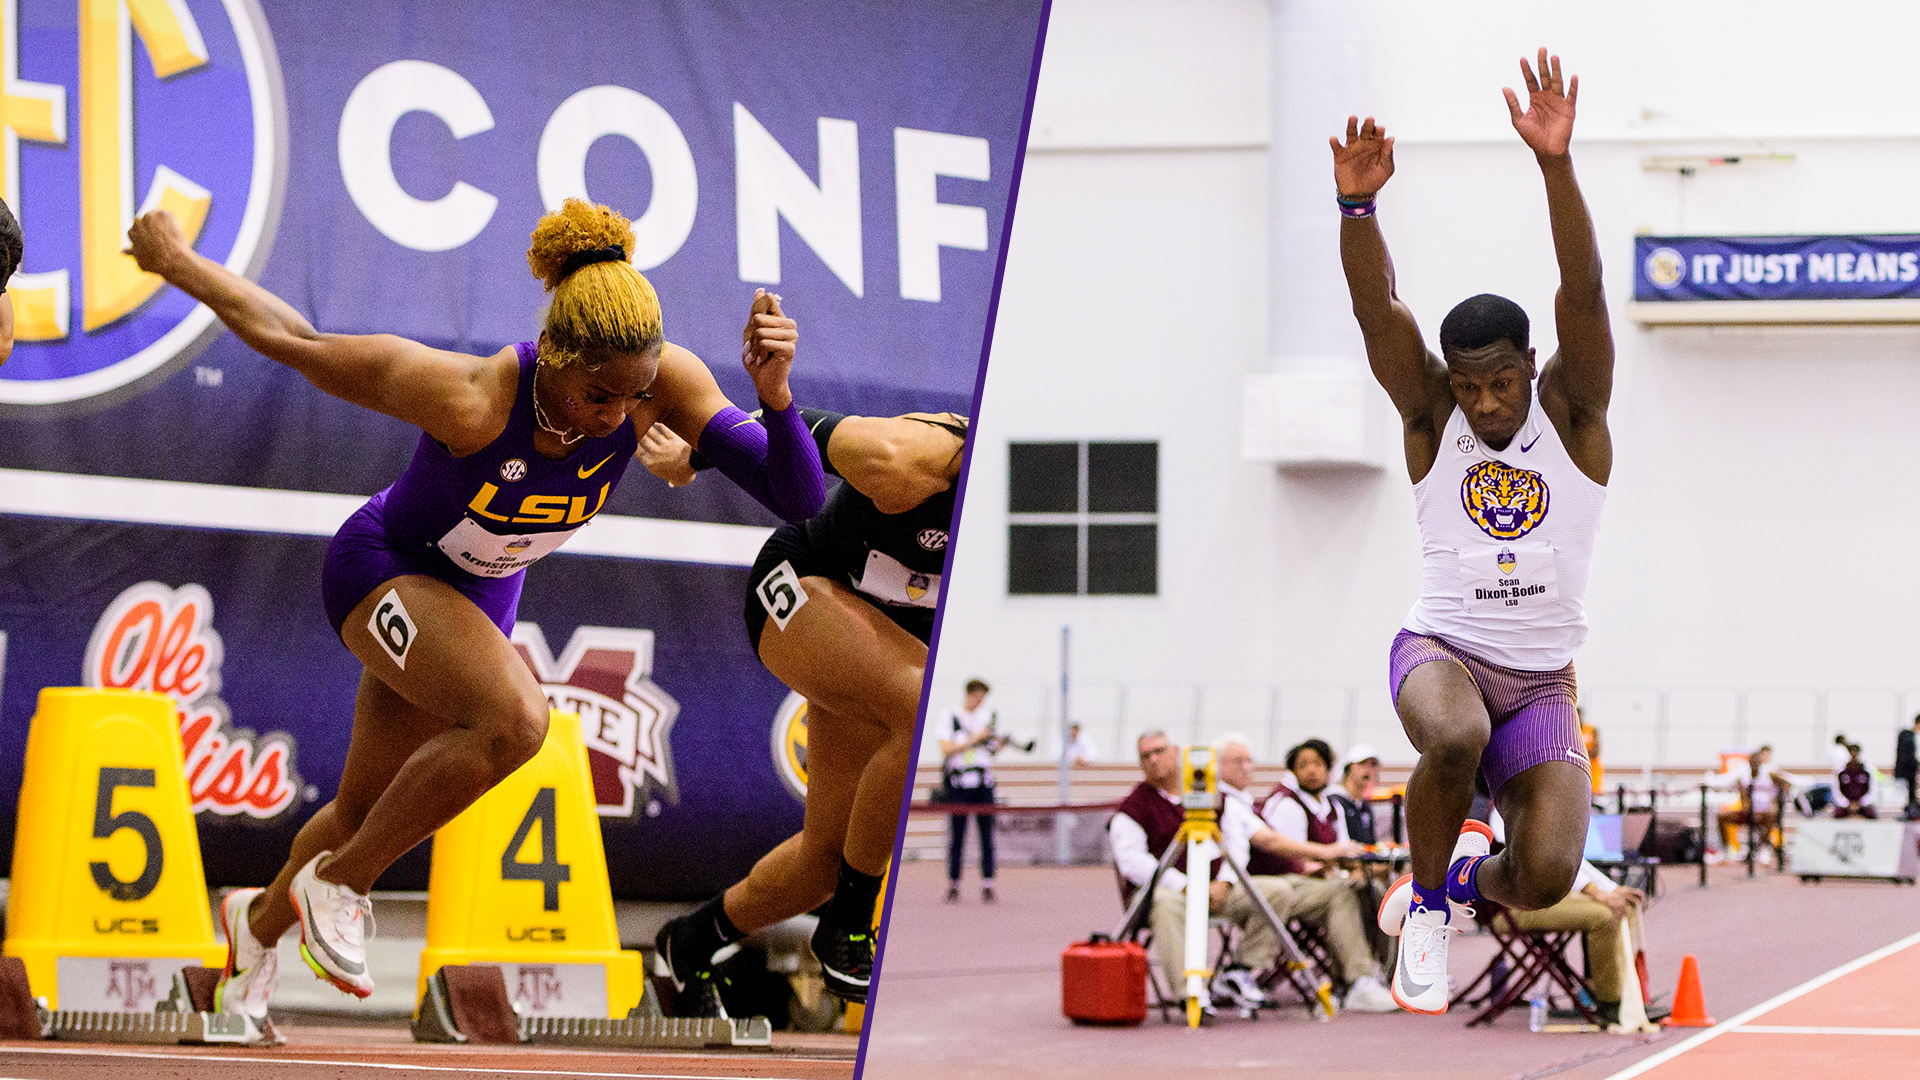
(166,494)
(1708,268)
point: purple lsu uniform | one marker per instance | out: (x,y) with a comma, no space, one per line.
(475,522)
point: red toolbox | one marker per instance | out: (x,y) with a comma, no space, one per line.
(1104,982)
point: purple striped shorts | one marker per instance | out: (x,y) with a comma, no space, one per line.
(1532,711)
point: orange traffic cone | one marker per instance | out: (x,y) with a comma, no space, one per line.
(1689,1007)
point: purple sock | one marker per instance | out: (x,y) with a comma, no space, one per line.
(1463,884)
(1431,899)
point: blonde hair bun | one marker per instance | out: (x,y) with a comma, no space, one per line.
(598,307)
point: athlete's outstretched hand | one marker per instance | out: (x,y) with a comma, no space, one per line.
(667,456)
(767,348)
(1364,164)
(156,242)
(1547,125)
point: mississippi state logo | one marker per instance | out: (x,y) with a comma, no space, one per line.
(933,539)
(790,744)
(1507,503)
(604,677)
(192,120)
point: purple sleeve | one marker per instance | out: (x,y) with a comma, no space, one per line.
(773,460)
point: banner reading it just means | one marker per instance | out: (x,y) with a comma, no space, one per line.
(166,494)
(1706,268)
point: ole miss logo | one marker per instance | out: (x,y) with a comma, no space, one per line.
(158,638)
(109,108)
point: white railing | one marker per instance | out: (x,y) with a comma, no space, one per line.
(1640,727)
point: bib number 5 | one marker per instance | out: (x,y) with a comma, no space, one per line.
(780,593)
(106,823)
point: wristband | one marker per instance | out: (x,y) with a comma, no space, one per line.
(1357,206)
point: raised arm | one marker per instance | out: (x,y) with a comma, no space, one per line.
(454,397)
(1413,378)
(772,459)
(1581,372)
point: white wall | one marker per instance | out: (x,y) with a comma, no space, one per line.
(1757,572)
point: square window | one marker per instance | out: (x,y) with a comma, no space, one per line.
(1123,477)
(1122,560)
(1043,478)
(1043,560)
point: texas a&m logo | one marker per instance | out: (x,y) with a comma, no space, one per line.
(109,108)
(158,638)
(604,677)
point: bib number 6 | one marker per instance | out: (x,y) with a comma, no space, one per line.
(391,628)
(780,593)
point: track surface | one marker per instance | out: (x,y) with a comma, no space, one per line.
(387,1053)
(1860,1019)
(973,990)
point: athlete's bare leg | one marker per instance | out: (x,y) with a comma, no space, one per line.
(1545,808)
(1447,722)
(386,732)
(485,716)
(800,874)
(862,674)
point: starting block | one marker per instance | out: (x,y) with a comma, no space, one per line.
(109,900)
(469,1004)
(519,880)
(184,1017)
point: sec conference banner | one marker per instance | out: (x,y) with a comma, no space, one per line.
(166,494)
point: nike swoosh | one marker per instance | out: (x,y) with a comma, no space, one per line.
(1411,988)
(584,473)
(1529,446)
(313,937)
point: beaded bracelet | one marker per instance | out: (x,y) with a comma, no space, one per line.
(1361,207)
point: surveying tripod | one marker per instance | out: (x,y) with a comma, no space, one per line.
(1199,796)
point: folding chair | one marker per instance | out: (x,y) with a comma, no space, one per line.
(1526,957)
(1172,1005)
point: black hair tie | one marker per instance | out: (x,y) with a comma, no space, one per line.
(590,256)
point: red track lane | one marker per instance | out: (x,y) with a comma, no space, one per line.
(1863,1019)
(362,1053)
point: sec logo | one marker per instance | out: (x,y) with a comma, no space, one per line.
(112,108)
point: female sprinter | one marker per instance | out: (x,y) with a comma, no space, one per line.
(518,450)
(840,608)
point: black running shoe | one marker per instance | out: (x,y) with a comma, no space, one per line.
(697,990)
(846,960)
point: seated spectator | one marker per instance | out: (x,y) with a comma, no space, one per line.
(1763,790)
(1307,834)
(1355,794)
(1853,787)
(1147,822)
(1595,907)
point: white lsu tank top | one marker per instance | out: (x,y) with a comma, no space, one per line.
(1506,538)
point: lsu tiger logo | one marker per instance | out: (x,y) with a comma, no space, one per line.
(1507,503)
(790,744)
(111,108)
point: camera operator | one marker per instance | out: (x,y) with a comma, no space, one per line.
(967,745)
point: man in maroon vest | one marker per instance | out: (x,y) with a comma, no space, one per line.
(1276,860)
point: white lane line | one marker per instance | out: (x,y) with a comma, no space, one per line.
(318,513)
(263,1059)
(1789,1029)
(1764,1007)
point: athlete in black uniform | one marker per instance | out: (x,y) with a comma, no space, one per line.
(840,607)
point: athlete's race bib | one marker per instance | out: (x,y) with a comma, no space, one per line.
(887,580)
(1516,578)
(486,554)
